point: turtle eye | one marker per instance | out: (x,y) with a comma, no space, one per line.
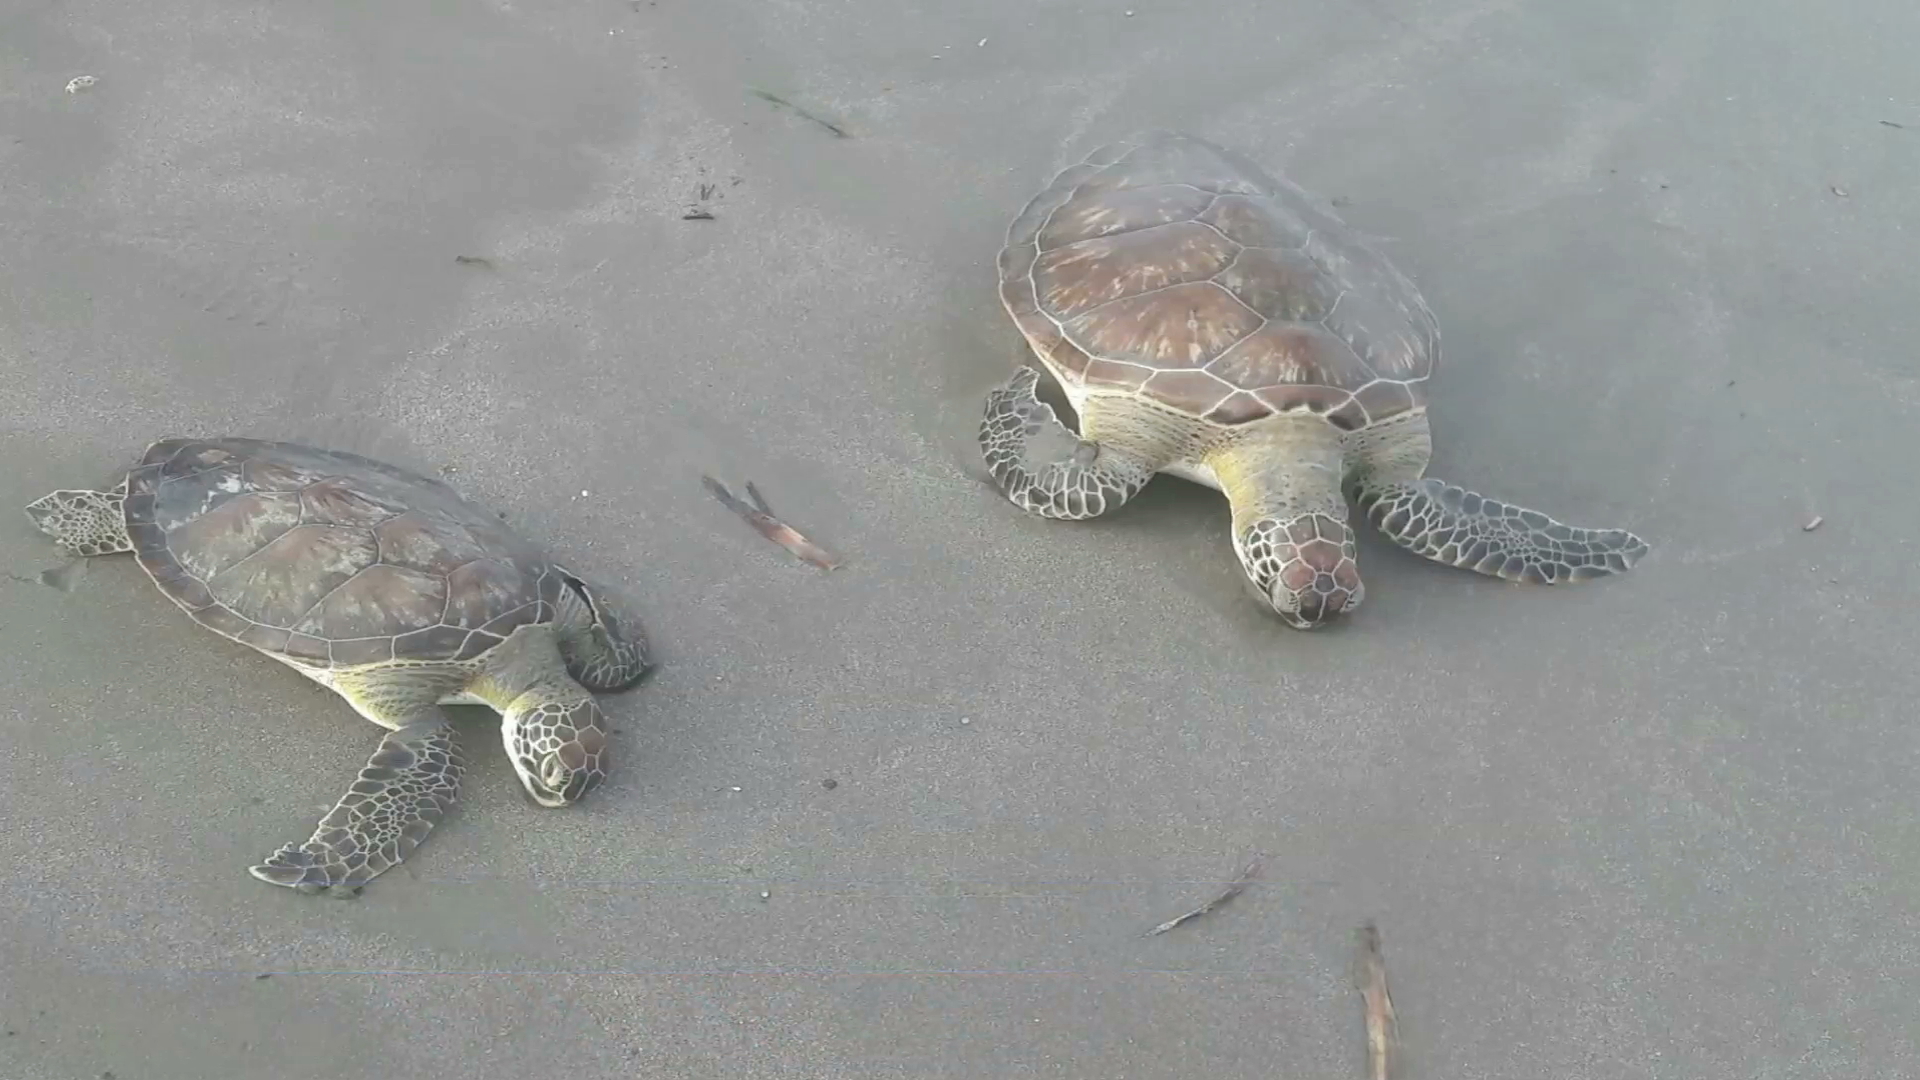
(553,773)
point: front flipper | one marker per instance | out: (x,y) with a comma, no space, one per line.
(402,793)
(1451,525)
(605,649)
(1045,469)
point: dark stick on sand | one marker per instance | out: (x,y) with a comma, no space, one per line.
(1239,886)
(838,131)
(760,516)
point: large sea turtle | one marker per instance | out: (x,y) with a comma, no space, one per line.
(1210,321)
(391,590)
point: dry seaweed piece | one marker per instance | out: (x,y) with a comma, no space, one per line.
(1239,886)
(760,516)
(1379,1004)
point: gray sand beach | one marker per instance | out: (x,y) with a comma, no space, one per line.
(1662,826)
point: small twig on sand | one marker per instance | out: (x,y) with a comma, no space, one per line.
(1239,886)
(838,131)
(758,515)
(474,260)
(699,211)
(1379,1004)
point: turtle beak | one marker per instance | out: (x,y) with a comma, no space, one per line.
(1318,608)
(544,797)
(553,785)
(538,789)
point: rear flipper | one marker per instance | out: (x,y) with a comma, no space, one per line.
(605,649)
(84,523)
(406,787)
(1451,525)
(1045,469)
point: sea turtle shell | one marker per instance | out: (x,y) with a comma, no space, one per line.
(329,559)
(1170,268)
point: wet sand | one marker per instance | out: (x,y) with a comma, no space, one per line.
(1660,826)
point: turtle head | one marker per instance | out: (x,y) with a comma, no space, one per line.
(1304,566)
(557,741)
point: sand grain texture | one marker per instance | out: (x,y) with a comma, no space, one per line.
(1648,829)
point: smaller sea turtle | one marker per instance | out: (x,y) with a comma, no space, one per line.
(1210,321)
(389,589)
